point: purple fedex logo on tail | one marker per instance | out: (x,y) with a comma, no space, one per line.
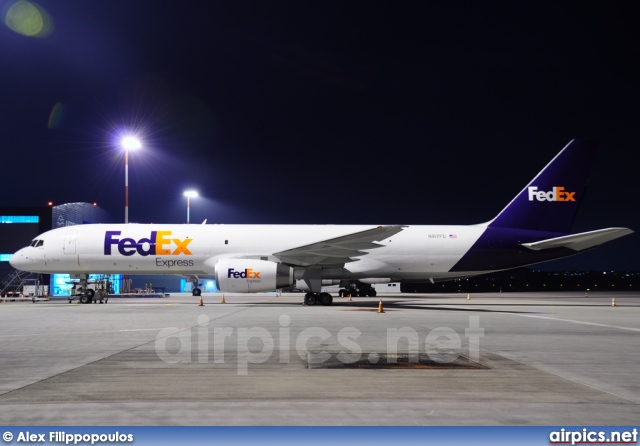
(557,194)
(159,243)
(550,201)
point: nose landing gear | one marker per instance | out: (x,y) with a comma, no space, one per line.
(195,287)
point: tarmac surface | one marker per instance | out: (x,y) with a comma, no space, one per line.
(437,359)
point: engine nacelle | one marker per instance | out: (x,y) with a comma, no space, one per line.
(252,276)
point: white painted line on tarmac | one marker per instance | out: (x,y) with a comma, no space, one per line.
(67,333)
(594,324)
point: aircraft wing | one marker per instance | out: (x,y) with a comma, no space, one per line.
(338,251)
(580,242)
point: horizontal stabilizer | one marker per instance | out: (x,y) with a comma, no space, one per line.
(580,242)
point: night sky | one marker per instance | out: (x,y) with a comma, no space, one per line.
(321,112)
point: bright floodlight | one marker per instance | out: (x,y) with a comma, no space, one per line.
(130,142)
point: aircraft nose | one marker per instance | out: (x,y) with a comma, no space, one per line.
(16,260)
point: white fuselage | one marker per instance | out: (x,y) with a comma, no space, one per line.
(417,252)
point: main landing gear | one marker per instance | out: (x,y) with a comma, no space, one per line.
(353,289)
(318,298)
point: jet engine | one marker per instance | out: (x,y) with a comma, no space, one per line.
(252,275)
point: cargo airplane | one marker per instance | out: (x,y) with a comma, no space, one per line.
(534,227)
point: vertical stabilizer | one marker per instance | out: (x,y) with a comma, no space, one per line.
(550,201)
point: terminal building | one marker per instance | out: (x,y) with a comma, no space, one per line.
(20,225)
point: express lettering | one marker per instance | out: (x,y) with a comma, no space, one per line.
(158,243)
(171,263)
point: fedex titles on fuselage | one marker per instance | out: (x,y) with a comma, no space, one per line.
(159,243)
(557,194)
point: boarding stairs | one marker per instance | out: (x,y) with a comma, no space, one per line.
(14,281)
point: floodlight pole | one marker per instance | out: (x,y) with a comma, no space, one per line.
(128,142)
(189,194)
(188,207)
(126,185)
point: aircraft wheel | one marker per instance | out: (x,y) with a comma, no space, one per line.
(196,292)
(310,299)
(325,299)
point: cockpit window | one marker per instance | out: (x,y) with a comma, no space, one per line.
(33,243)
(40,243)
(36,243)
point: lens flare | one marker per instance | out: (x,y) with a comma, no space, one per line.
(56,118)
(28,19)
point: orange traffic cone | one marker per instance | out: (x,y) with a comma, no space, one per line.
(613,302)
(350,300)
(468,296)
(201,304)
(222,301)
(380,309)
